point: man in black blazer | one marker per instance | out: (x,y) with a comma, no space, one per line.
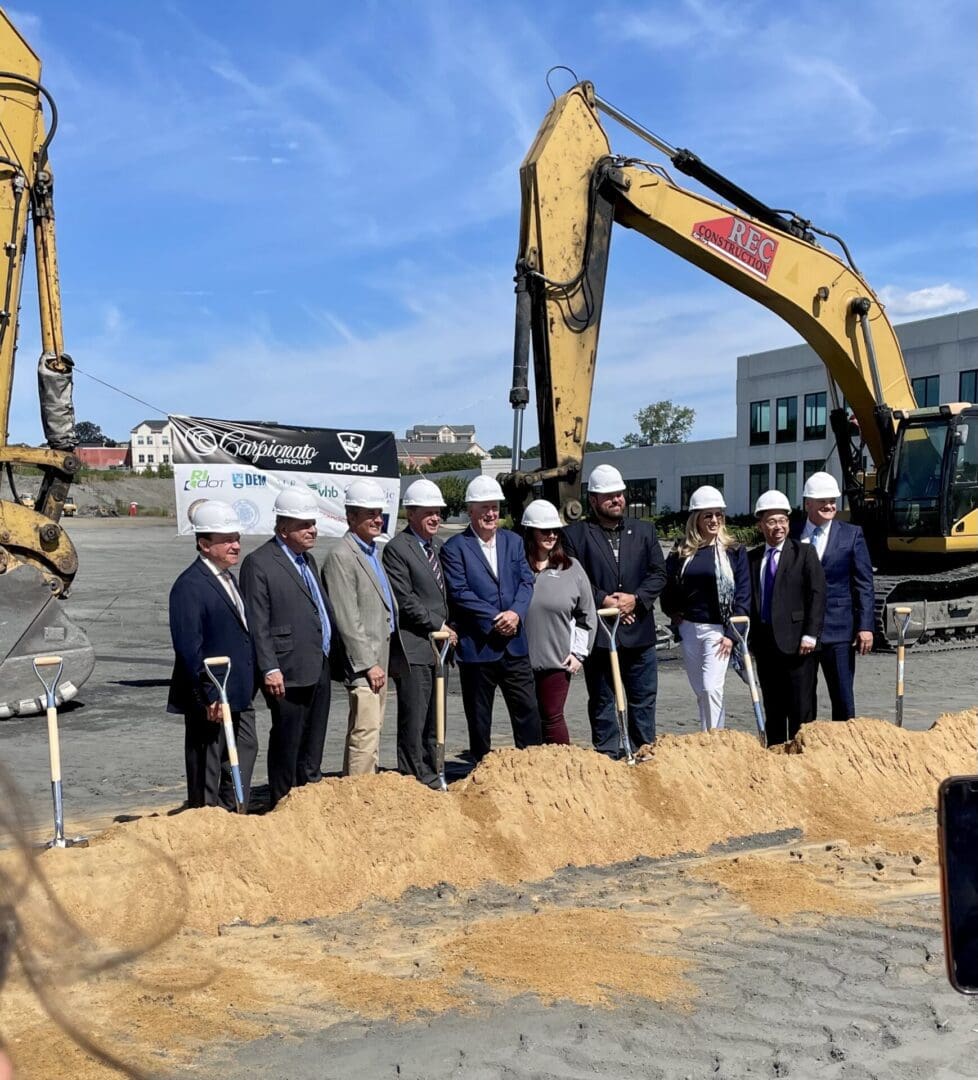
(207,618)
(292,624)
(787,611)
(623,561)
(411,560)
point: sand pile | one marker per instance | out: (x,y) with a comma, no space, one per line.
(520,815)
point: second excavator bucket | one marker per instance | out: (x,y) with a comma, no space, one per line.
(33,622)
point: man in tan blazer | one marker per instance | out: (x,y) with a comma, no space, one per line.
(366,617)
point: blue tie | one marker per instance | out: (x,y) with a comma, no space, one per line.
(770,571)
(318,597)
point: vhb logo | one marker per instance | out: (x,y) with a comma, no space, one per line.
(352,443)
(739,241)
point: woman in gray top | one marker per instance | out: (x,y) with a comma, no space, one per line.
(561,620)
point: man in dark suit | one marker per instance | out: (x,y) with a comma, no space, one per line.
(623,561)
(787,609)
(207,618)
(291,623)
(490,585)
(414,570)
(849,596)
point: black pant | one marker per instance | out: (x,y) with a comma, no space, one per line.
(206,753)
(787,686)
(514,677)
(640,681)
(295,744)
(416,748)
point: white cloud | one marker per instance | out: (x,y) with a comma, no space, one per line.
(930,300)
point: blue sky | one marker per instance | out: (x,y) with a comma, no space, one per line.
(309,212)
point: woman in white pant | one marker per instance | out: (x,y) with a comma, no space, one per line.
(708,581)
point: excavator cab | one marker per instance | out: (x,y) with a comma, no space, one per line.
(933,481)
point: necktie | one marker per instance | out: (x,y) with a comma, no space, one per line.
(318,597)
(817,539)
(770,571)
(235,595)
(435,564)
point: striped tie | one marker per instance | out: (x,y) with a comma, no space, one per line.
(236,596)
(434,563)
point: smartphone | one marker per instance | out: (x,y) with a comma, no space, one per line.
(957,814)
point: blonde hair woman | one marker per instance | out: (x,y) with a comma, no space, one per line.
(708,581)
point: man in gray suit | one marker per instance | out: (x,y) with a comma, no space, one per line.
(291,623)
(366,617)
(415,573)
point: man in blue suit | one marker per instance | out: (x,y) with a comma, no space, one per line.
(848,626)
(207,618)
(490,585)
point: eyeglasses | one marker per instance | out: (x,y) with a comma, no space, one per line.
(547,532)
(712,515)
(776,521)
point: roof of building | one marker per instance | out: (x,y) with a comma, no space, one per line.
(459,429)
(431,448)
(153,425)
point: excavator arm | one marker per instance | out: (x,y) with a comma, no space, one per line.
(574,189)
(37,558)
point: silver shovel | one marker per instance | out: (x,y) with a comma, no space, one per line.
(54,752)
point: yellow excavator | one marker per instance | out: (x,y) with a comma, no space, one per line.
(37,558)
(918,503)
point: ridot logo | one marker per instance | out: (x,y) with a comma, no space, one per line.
(202,439)
(352,443)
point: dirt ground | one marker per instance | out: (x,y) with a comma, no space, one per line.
(782,922)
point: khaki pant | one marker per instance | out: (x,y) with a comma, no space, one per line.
(366,720)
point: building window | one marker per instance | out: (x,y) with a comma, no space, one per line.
(810,467)
(927,390)
(786,479)
(640,495)
(165,439)
(968,386)
(149,459)
(787,420)
(142,459)
(165,459)
(760,423)
(815,416)
(760,481)
(140,441)
(688,484)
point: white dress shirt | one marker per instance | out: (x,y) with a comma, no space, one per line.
(489,551)
(817,535)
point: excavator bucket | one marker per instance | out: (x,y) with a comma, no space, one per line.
(33,622)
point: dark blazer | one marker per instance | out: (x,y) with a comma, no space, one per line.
(476,595)
(204,622)
(697,600)
(849,594)
(422,605)
(798,603)
(283,616)
(640,570)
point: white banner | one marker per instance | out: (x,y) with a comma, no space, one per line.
(246,465)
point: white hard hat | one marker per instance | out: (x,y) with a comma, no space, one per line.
(707,498)
(821,485)
(772,500)
(483,489)
(541,514)
(365,494)
(423,493)
(604,480)
(215,517)
(296,502)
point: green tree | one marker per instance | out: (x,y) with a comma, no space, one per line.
(408,468)
(90,434)
(661,422)
(500,451)
(593,447)
(452,463)
(453,492)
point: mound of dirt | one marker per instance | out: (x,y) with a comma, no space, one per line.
(519,816)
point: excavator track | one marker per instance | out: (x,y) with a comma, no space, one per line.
(944,608)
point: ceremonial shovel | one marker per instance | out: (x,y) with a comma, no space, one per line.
(222,689)
(440,651)
(755,697)
(54,751)
(901,618)
(621,711)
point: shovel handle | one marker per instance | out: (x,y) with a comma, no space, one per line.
(46,661)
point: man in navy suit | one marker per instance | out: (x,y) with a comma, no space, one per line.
(490,585)
(848,627)
(207,618)
(623,561)
(291,623)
